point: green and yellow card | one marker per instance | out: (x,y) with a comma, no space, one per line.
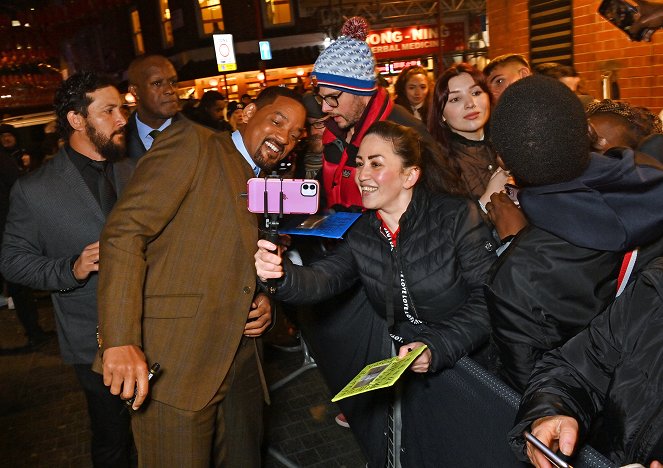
(380,374)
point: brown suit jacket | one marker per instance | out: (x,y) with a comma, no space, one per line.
(176,276)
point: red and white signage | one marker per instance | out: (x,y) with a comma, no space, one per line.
(225,52)
(416,40)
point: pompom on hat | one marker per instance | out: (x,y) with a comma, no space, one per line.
(348,63)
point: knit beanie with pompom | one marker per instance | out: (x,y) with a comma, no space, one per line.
(348,64)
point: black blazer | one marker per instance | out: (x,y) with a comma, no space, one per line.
(52,217)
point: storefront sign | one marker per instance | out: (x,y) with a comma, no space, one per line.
(394,68)
(416,41)
(225,52)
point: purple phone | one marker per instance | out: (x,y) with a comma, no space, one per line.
(299,196)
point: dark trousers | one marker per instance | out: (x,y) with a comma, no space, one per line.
(344,335)
(109,421)
(26,308)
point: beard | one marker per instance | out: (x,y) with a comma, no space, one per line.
(105,145)
(263,163)
(350,118)
(314,144)
(268,164)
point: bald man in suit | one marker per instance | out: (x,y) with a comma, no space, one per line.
(153,84)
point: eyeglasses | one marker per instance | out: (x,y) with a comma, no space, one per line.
(331,100)
(318,124)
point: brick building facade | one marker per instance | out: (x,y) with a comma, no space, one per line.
(597,47)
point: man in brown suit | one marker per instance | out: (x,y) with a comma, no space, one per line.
(175,284)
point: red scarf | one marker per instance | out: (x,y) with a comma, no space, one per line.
(339,179)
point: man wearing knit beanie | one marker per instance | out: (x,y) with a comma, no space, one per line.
(346,86)
(586,210)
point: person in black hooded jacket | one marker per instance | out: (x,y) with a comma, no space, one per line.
(585,211)
(605,385)
(422,255)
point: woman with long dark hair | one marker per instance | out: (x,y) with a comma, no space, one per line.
(458,120)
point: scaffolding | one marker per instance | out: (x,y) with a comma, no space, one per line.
(332,13)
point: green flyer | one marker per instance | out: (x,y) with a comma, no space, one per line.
(380,374)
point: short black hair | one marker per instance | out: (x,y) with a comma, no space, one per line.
(539,129)
(6,128)
(210,97)
(270,93)
(73,95)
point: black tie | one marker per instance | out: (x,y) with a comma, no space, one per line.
(154,134)
(107,196)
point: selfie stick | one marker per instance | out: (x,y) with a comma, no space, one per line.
(272,221)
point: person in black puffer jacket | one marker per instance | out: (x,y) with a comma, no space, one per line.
(605,385)
(585,211)
(422,255)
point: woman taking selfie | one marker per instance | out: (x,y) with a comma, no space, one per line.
(422,256)
(458,119)
(413,91)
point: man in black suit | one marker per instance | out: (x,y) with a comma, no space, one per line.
(153,83)
(26,307)
(51,240)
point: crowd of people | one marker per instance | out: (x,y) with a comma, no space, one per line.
(505,215)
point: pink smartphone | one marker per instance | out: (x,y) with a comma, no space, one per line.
(298,196)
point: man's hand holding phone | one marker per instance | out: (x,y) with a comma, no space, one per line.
(556,433)
(639,19)
(648,19)
(125,370)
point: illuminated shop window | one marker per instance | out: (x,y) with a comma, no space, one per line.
(166,24)
(211,16)
(139,46)
(277,13)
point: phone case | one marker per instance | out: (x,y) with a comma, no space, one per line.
(621,14)
(300,196)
